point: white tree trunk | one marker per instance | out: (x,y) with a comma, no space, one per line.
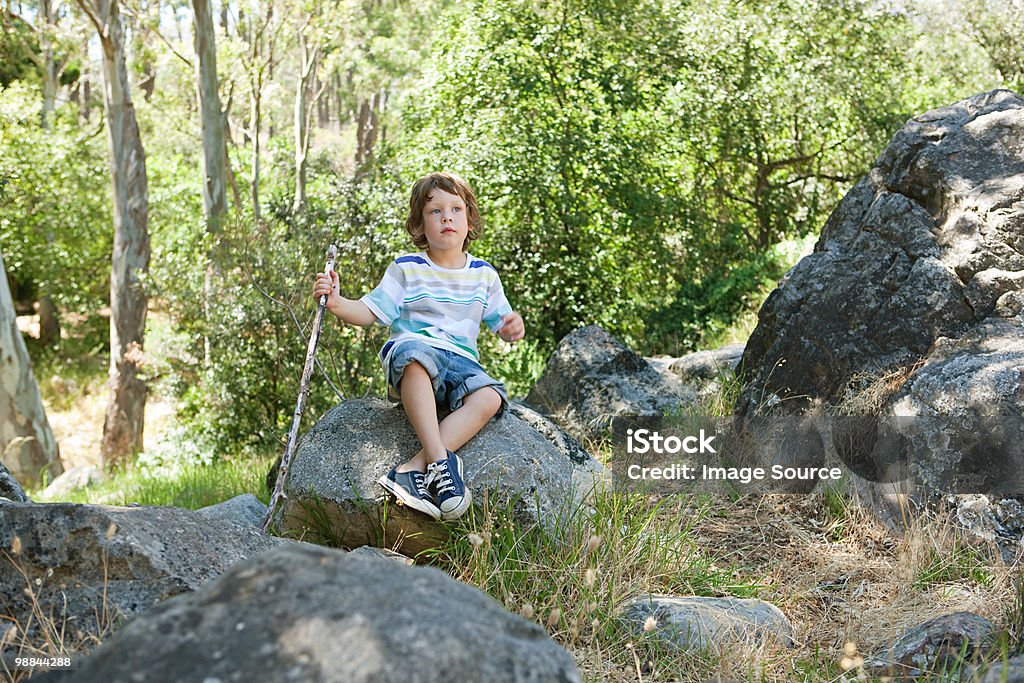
(26,441)
(122,427)
(301,133)
(215,201)
(49,70)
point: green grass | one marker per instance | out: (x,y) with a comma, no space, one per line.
(189,486)
(573,579)
(962,563)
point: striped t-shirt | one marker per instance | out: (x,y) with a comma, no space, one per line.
(442,307)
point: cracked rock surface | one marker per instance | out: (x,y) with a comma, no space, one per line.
(928,246)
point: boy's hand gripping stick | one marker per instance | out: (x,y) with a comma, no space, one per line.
(300,404)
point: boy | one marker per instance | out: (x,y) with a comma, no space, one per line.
(434,302)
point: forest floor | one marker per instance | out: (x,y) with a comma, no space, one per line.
(842,579)
(75,404)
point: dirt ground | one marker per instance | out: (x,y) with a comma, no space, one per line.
(845,579)
(78,424)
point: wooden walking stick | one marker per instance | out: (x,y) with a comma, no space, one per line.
(300,404)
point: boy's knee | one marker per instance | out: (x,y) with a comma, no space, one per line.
(491,400)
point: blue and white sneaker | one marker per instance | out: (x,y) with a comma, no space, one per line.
(444,481)
(410,488)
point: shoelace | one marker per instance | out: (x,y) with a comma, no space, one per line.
(421,486)
(439,473)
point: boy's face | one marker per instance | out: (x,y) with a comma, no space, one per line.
(445,224)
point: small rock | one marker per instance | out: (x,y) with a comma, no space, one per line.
(382,554)
(1010,671)
(935,645)
(705,365)
(245,510)
(79,477)
(686,623)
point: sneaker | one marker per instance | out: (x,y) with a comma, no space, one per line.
(444,481)
(410,488)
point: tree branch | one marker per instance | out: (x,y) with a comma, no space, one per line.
(140,17)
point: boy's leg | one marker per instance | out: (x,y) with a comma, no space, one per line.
(444,476)
(454,431)
(421,409)
(463,424)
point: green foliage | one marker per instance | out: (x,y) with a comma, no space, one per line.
(636,163)
(649,166)
(15,63)
(55,222)
(537,108)
(995,27)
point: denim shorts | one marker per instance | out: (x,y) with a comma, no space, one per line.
(453,376)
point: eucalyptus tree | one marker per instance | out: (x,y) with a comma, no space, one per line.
(125,415)
(27,446)
(211,117)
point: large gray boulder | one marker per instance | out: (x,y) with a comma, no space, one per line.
(593,384)
(920,249)
(90,565)
(319,615)
(332,495)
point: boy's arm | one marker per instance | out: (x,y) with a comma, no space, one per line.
(499,316)
(352,311)
(512,327)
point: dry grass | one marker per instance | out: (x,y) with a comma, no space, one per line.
(868,394)
(845,582)
(41,632)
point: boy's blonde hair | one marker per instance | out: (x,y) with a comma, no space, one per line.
(421,192)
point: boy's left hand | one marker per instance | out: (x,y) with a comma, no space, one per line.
(512,328)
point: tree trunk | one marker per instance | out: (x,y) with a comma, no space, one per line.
(367,127)
(254,126)
(323,106)
(49,322)
(49,70)
(27,446)
(212,117)
(307,59)
(215,202)
(85,84)
(122,428)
